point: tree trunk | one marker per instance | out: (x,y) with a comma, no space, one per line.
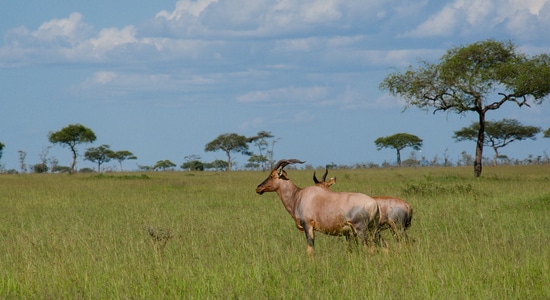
(479,145)
(73,164)
(398,158)
(496,156)
(228,161)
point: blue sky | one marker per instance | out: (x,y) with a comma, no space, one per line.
(163,78)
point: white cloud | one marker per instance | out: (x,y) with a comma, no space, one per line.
(285,95)
(186,8)
(71,29)
(441,24)
(134,83)
(526,19)
(469,17)
(110,38)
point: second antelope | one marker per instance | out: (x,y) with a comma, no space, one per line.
(395,213)
(315,208)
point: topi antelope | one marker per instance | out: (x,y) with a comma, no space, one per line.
(315,208)
(395,213)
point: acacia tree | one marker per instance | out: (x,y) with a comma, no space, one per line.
(478,78)
(71,136)
(164,164)
(260,141)
(99,155)
(498,134)
(399,141)
(546,133)
(121,156)
(229,142)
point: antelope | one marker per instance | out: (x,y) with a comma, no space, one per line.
(395,213)
(315,208)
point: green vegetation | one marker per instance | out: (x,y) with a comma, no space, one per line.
(476,78)
(198,235)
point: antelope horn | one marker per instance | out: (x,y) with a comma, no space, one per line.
(315,178)
(325,176)
(284,162)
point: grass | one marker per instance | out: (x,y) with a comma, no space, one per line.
(208,235)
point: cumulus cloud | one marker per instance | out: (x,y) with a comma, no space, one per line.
(468,17)
(186,8)
(242,43)
(109,38)
(71,30)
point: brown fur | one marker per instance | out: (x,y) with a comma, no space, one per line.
(395,213)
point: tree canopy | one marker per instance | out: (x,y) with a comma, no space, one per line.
(229,143)
(399,141)
(546,133)
(121,156)
(164,164)
(72,135)
(99,155)
(498,134)
(479,77)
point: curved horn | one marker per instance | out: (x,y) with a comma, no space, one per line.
(315,178)
(284,162)
(325,175)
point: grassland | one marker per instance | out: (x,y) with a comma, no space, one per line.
(207,235)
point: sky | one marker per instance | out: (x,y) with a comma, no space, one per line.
(163,78)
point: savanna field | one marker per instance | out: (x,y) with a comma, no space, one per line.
(208,235)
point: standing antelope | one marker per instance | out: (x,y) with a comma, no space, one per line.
(395,213)
(315,208)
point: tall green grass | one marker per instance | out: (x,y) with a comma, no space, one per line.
(208,235)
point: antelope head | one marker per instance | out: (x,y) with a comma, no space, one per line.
(276,176)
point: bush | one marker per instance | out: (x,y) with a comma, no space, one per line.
(40,168)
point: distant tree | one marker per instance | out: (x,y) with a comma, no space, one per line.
(40,168)
(86,170)
(121,156)
(411,161)
(467,159)
(218,164)
(22,164)
(61,169)
(498,134)
(229,142)
(163,165)
(1,149)
(256,161)
(193,165)
(53,163)
(99,155)
(399,141)
(71,136)
(547,133)
(260,141)
(467,78)
(44,155)
(192,157)
(145,168)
